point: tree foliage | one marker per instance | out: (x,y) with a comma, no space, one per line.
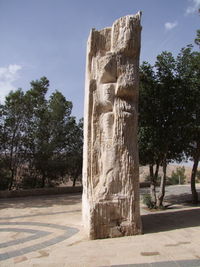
(189,64)
(169,113)
(40,140)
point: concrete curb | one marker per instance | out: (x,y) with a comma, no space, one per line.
(40,192)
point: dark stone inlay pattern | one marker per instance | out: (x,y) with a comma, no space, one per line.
(69,231)
(37,234)
(39,214)
(51,225)
(181,263)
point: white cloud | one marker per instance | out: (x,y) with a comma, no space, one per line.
(193,7)
(170,25)
(8,75)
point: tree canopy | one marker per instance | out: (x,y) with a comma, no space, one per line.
(40,140)
(169,114)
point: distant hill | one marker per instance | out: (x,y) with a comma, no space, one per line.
(144,171)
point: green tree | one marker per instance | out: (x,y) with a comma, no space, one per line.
(149,152)
(171,114)
(40,140)
(12,132)
(189,73)
(4,173)
(197,39)
(48,132)
(161,118)
(75,151)
(178,176)
(37,133)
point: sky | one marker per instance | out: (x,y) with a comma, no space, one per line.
(48,38)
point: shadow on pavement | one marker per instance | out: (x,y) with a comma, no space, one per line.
(185,199)
(166,221)
(40,201)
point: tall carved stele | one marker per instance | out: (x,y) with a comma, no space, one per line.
(110,165)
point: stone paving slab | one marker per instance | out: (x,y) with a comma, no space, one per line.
(55,236)
(186,263)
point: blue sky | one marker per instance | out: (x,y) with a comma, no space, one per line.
(48,38)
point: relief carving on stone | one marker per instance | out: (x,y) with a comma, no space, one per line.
(111,168)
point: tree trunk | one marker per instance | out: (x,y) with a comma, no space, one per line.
(152,184)
(43,180)
(11,180)
(156,171)
(74,182)
(193,175)
(162,185)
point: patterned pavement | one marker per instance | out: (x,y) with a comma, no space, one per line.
(34,234)
(47,231)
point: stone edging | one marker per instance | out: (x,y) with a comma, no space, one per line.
(49,191)
(40,192)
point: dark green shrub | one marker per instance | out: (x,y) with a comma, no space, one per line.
(148,201)
(4,180)
(178,176)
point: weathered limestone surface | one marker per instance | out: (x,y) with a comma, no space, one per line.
(110,167)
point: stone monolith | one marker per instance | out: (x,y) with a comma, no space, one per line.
(110,165)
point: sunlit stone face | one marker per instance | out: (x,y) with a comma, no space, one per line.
(110,171)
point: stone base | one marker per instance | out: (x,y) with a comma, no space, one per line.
(109,220)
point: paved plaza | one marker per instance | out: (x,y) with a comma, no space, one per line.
(47,231)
